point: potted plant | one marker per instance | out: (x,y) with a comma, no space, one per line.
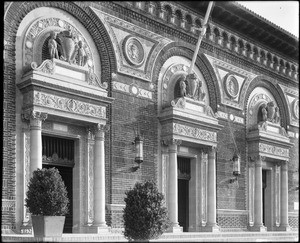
(145,216)
(48,202)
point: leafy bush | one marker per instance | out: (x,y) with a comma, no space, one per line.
(145,216)
(47,193)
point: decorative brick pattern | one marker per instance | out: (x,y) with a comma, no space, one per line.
(236,221)
(294,222)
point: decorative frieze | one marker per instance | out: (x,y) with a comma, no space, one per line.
(274,150)
(237,119)
(64,104)
(187,131)
(132,89)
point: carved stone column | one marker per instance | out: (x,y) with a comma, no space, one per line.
(173,185)
(35,118)
(211,224)
(99,223)
(258,203)
(284,218)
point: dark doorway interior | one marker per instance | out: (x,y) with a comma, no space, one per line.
(264,186)
(183,204)
(184,175)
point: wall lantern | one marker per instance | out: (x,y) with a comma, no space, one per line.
(138,142)
(236,159)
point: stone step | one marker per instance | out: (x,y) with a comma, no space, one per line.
(167,237)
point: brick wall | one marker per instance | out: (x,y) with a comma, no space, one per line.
(229,195)
(129,113)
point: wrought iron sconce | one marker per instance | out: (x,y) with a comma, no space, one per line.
(139,154)
(236,167)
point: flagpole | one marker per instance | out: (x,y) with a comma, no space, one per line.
(203,30)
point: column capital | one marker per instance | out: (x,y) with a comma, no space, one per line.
(34,115)
(171,141)
(100,129)
(256,158)
(213,149)
(204,150)
(284,165)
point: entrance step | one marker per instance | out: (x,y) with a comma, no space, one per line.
(291,236)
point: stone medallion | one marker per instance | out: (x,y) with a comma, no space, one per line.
(133,51)
(295,107)
(231,86)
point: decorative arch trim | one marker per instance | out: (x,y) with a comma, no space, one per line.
(17,10)
(273,87)
(178,49)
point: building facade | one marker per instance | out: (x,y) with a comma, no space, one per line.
(83,80)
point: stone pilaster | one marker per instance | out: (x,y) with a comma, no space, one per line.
(258,203)
(284,222)
(99,223)
(173,184)
(35,119)
(211,223)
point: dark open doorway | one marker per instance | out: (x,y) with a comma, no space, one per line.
(184,175)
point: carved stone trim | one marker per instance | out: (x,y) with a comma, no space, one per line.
(274,150)
(194,132)
(48,66)
(65,104)
(179,103)
(132,89)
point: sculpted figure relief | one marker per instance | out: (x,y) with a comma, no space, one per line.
(68,46)
(264,112)
(276,116)
(182,88)
(195,87)
(52,45)
(82,58)
(64,46)
(269,113)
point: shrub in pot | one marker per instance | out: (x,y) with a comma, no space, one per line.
(145,216)
(47,200)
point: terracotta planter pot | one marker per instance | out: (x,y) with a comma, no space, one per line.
(48,226)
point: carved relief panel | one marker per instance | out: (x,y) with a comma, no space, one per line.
(136,48)
(174,72)
(48,38)
(233,82)
(292,98)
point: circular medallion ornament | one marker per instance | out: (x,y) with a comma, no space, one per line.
(133,89)
(133,51)
(296,108)
(29,44)
(231,86)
